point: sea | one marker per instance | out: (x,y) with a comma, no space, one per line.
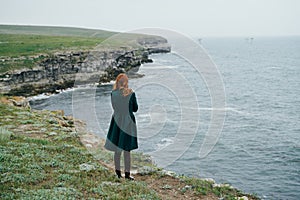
(257,145)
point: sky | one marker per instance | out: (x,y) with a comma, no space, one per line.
(190,17)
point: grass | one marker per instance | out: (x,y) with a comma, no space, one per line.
(16,45)
(25,46)
(204,187)
(25,51)
(35,165)
(54,31)
(41,157)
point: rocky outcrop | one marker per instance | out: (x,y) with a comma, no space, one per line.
(66,70)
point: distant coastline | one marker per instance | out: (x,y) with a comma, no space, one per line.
(64,67)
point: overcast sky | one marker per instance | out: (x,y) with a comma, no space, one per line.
(191,17)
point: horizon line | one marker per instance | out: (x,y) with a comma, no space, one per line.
(126,31)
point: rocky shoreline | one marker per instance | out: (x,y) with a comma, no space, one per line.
(64,70)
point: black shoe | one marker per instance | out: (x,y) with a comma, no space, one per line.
(118,172)
(127,176)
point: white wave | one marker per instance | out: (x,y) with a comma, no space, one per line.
(143,118)
(164,143)
(161,67)
(65,90)
(85,86)
(48,95)
(220,109)
(40,97)
(107,83)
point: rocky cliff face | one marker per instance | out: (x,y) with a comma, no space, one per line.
(66,70)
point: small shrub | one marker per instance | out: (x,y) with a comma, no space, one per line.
(4,134)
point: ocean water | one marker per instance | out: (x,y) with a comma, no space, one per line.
(258,150)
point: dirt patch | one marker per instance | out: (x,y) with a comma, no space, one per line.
(167,187)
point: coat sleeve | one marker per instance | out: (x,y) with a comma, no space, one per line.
(133,103)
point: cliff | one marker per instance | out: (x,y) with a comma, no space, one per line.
(63,70)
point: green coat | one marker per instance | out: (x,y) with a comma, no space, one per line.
(122,133)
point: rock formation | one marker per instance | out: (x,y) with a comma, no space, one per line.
(66,70)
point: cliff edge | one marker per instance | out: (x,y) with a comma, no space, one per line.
(66,69)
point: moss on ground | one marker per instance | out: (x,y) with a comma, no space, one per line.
(42,157)
(49,162)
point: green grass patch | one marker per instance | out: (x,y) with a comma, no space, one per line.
(16,45)
(203,187)
(54,167)
(23,47)
(4,134)
(18,51)
(55,31)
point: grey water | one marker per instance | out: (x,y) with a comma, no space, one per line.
(258,150)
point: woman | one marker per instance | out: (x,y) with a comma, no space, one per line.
(122,133)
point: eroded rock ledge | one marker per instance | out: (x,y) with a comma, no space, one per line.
(68,69)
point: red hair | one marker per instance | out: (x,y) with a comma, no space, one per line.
(122,84)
